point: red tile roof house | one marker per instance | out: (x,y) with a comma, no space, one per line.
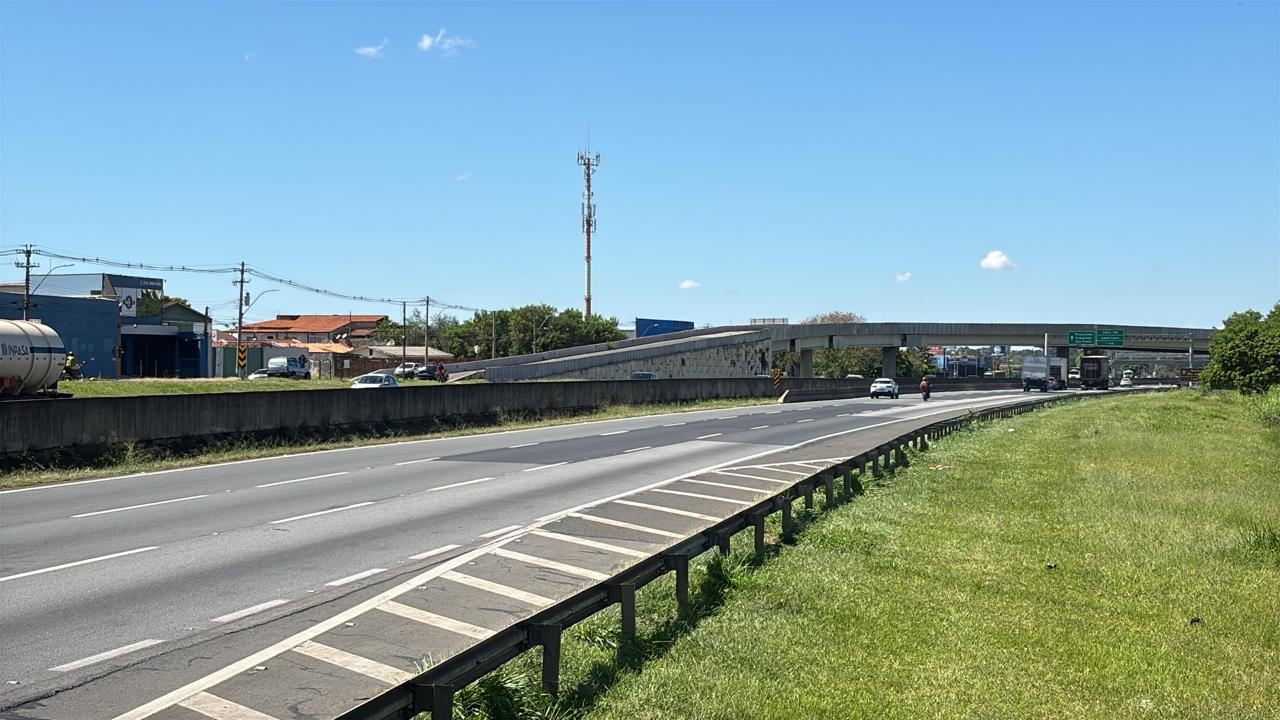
(311,328)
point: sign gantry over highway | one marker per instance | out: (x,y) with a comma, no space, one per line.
(1080,337)
(1111,338)
(1108,337)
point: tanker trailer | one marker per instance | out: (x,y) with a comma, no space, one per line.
(31,357)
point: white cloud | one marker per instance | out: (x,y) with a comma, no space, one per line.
(902,277)
(248,56)
(372,51)
(996,260)
(689,284)
(444,42)
(462,177)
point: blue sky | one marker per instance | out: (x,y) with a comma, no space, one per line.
(777,160)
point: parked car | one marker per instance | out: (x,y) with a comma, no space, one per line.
(289,367)
(644,376)
(407,370)
(1126,381)
(259,374)
(854,377)
(884,387)
(427,372)
(374,381)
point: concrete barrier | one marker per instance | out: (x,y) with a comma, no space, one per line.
(30,426)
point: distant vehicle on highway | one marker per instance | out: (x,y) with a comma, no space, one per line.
(1043,373)
(373,381)
(1126,379)
(1095,372)
(259,374)
(884,387)
(644,376)
(407,370)
(289,367)
(1073,374)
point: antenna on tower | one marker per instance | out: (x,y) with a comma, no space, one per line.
(589,163)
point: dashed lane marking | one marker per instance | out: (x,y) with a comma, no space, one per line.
(804,421)
(353,662)
(298,480)
(704,437)
(498,588)
(625,525)
(552,564)
(727,417)
(248,611)
(642,447)
(440,621)
(615,432)
(673,511)
(63,566)
(322,512)
(758,427)
(143,505)
(499,531)
(544,467)
(415,462)
(703,497)
(83,662)
(512,447)
(673,424)
(458,484)
(221,709)
(592,544)
(437,551)
(352,578)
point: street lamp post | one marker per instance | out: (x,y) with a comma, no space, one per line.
(535,331)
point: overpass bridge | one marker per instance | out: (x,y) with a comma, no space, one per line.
(746,350)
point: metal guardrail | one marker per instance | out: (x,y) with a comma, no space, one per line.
(433,690)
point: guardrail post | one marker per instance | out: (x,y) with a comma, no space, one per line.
(924,443)
(875,464)
(808,496)
(548,636)
(787,524)
(680,563)
(438,697)
(899,457)
(828,484)
(758,521)
(847,477)
(722,542)
(625,595)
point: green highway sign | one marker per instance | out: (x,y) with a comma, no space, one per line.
(1111,338)
(1081,337)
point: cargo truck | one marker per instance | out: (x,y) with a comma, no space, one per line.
(1043,373)
(1095,372)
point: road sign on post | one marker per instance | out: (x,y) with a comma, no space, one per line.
(242,356)
(1111,338)
(1081,337)
(777,378)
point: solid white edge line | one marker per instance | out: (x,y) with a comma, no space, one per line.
(500,531)
(229,671)
(550,564)
(615,432)
(321,512)
(313,477)
(63,566)
(627,525)
(544,467)
(212,706)
(415,462)
(437,551)
(135,507)
(248,611)
(76,664)
(458,484)
(352,578)
(513,447)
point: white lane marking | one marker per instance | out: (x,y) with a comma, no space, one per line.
(498,589)
(246,663)
(440,621)
(615,432)
(544,467)
(727,417)
(775,469)
(352,578)
(642,447)
(757,477)
(814,466)
(322,512)
(104,656)
(673,424)
(220,708)
(673,511)
(626,525)
(727,485)
(703,497)
(143,505)
(774,412)
(499,531)
(437,551)
(415,462)
(591,543)
(758,427)
(552,564)
(100,558)
(845,415)
(513,447)
(353,662)
(704,437)
(458,484)
(313,477)
(248,611)
(805,420)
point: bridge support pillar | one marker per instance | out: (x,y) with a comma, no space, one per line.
(806,363)
(889,362)
(1062,351)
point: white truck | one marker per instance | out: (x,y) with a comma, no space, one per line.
(1043,373)
(290,367)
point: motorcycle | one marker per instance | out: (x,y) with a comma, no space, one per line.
(72,372)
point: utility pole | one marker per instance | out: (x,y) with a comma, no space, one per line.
(240,348)
(26,266)
(426,331)
(589,165)
(404,333)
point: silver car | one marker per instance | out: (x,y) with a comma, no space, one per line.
(373,381)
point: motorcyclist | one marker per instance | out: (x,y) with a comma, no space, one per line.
(71,368)
(924,388)
(441,373)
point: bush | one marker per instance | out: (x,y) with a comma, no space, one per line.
(1267,407)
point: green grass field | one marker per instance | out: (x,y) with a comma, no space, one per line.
(1115,558)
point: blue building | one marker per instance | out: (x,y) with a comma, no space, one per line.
(88,326)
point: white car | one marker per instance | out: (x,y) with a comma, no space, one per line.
(1126,382)
(259,374)
(407,370)
(373,381)
(884,387)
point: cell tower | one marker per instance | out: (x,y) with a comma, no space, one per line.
(589,165)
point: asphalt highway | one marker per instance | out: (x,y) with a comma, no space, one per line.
(94,570)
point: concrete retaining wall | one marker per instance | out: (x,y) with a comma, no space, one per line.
(37,425)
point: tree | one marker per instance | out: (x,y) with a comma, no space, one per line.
(839,362)
(1245,354)
(152,303)
(524,330)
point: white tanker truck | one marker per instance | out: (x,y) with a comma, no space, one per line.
(32,357)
